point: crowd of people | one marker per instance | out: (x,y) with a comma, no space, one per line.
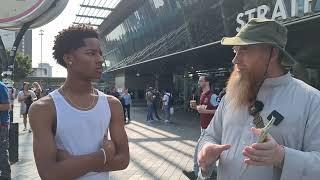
(155,100)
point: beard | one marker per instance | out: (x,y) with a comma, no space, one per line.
(241,89)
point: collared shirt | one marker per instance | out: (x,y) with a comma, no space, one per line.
(127,99)
(298,132)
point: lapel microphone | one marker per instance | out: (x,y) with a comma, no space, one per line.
(278,117)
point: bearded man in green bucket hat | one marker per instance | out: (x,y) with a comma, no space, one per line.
(260,89)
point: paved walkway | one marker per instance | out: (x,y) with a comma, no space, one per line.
(157,150)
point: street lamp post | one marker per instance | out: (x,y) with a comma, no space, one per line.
(41,34)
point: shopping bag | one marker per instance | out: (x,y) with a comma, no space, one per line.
(171,110)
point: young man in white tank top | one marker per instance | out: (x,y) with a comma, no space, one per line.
(71,124)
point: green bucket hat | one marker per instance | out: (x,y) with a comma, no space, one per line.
(262,31)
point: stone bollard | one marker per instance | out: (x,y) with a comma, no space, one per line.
(14,142)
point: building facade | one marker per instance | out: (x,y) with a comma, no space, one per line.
(164,43)
(25,47)
(43,70)
(8,38)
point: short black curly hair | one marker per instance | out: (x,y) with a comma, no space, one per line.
(71,39)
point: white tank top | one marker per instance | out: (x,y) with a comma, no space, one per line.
(81,132)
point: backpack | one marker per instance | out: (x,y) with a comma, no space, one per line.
(171,101)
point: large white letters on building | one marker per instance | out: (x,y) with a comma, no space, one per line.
(279,11)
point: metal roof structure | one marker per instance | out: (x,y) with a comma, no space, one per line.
(94,12)
(159,48)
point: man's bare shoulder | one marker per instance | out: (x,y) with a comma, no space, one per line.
(45,102)
(113,100)
(42,107)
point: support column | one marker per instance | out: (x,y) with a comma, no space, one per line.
(120,80)
(156,82)
(185,90)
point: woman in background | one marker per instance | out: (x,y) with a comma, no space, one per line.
(26,97)
(37,89)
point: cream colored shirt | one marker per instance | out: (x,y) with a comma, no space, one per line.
(299,132)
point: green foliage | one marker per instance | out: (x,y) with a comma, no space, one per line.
(22,67)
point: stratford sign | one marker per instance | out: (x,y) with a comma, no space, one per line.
(279,11)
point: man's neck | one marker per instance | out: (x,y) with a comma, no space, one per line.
(77,86)
(276,71)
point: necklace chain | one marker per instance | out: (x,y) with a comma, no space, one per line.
(78,107)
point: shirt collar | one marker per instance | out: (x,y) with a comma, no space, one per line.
(277,81)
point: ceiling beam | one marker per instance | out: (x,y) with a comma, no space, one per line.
(97,7)
(88,24)
(92,17)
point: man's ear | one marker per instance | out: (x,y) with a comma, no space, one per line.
(275,54)
(67,59)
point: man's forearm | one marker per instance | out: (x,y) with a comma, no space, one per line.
(298,164)
(4,107)
(73,167)
(119,162)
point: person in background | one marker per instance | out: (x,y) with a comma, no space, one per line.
(26,97)
(37,89)
(149,99)
(5,170)
(115,93)
(166,105)
(12,95)
(209,102)
(127,101)
(156,102)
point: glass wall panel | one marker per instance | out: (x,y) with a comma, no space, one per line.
(162,27)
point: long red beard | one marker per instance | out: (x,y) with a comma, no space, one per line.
(241,89)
